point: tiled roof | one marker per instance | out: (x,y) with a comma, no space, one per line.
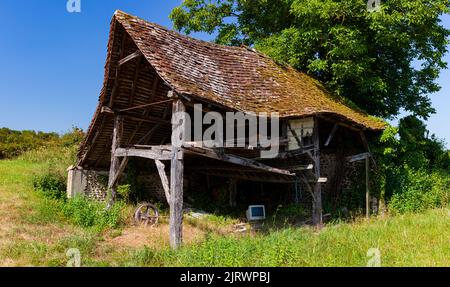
(236,77)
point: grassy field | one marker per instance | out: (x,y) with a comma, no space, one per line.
(34,232)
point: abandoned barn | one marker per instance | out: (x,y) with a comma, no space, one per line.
(155,78)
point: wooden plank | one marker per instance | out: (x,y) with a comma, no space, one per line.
(152,153)
(148,119)
(317,193)
(144,106)
(130,57)
(332,133)
(234,159)
(107,110)
(235,168)
(358,157)
(120,170)
(366,146)
(367,189)
(294,133)
(164,180)
(115,163)
(176,176)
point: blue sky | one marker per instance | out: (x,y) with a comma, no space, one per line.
(52,66)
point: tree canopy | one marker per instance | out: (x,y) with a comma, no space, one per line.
(383,61)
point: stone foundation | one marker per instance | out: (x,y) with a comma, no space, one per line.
(90,183)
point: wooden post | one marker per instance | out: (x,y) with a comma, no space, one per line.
(367,188)
(115,162)
(176,175)
(317,194)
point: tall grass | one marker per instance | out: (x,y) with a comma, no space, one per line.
(407,240)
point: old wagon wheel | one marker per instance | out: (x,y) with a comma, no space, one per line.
(146,214)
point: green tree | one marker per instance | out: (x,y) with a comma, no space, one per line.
(382,61)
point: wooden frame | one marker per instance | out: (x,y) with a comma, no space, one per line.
(317,192)
(176,176)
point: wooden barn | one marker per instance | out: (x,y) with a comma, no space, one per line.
(152,73)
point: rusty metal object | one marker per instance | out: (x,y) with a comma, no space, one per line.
(146,214)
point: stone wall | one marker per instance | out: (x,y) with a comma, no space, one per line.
(90,183)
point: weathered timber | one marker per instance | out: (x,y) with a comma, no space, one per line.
(120,170)
(130,57)
(366,146)
(144,106)
(176,175)
(115,163)
(234,159)
(154,153)
(358,157)
(332,133)
(367,189)
(164,180)
(148,119)
(294,133)
(234,168)
(317,196)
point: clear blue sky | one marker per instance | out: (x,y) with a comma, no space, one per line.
(52,62)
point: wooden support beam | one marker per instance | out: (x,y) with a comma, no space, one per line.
(154,153)
(358,157)
(367,188)
(148,119)
(121,169)
(130,57)
(164,180)
(366,146)
(332,133)
(317,194)
(144,106)
(145,119)
(176,175)
(294,133)
(234,168)
(234,159)
(115,163)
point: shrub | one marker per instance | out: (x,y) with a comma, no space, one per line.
(124,192)
(86,213)
(421,191)
(16,143)
(51,185)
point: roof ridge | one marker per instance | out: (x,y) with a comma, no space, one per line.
(179,34)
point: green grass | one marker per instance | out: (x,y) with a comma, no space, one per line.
(35,232)
(407,240)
